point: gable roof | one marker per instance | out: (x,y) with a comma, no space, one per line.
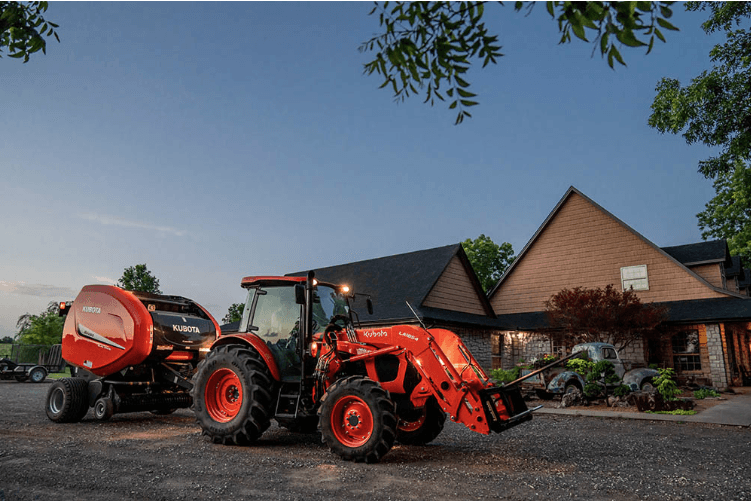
(714,251)
(572,190)
(392,280)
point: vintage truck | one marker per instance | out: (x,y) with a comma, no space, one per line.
(557,380)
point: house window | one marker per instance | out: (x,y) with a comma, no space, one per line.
(686,351)
(634,277)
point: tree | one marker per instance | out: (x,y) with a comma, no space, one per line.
(488,259)
(728,214)
(715,108)
(139,278)
(45,328)
(426,44)
(23,28)
(6,340)
(234,313)
(582,315)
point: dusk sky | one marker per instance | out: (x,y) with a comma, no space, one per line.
(215,141)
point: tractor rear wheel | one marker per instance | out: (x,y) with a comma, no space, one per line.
(232,395)
(68,400)
(424,429)
(358,419)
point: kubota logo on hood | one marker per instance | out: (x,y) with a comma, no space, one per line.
(381,333)
(186,328)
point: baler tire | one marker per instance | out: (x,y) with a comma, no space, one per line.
(22,379)
(67,400)
(349,403)
(162,412)
(104,408)
(232,395)
(425,429)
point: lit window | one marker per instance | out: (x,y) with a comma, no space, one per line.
(686,355)
(635,277)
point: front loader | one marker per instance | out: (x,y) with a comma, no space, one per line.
(297,357)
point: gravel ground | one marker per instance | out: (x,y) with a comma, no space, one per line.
(140,456)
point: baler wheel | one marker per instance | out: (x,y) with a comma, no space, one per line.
(104,408)
(426,428)
(231,395)
(67,400)
(358,419)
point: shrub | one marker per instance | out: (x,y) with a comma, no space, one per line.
(677,412)
(505,376)
(703,393)
(621,391)
(666,385)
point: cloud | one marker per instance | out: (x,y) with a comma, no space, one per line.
(116,221)
(39,290)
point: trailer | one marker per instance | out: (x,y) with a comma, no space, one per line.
(31,362)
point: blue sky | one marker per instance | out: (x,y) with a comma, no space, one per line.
(217,140)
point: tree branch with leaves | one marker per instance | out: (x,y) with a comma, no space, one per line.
(23,28)
(427,45)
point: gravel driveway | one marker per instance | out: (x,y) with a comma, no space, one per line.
(140,456)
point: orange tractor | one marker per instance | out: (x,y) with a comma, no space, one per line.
(297,357)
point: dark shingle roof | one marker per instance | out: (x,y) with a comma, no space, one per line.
(697,310)
(391,281)
(745,279)
(709,310)
(736,269)
(715,251)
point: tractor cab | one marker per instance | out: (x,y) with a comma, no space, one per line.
(275,313)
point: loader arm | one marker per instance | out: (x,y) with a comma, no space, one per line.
(446,370)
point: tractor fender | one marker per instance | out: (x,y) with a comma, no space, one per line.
(257,344)
(634,378)
(558,383)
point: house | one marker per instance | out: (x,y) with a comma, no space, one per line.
(582,244)
(439,284)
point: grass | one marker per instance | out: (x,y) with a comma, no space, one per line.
(677,412)
(58,375)
(5,349)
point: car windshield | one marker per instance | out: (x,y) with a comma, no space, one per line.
(327,303)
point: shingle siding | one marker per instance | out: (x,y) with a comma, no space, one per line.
(584,246)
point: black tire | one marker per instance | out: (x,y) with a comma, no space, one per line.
(425,429)
(232,395)
(21,379)
(104,408)
(67,400)
(358,419)
(37,374)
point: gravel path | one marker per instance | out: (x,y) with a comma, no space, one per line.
(140,456)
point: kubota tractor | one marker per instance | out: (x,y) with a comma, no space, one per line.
(297,358)
(131,351)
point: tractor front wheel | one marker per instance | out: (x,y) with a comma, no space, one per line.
(358,419)
(424,429)
(232,395)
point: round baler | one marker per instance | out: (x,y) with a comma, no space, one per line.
(130,351)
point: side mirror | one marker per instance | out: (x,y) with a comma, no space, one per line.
(369,306)
(300,294)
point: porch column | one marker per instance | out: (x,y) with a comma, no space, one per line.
(716,356)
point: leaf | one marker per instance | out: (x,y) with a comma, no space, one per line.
(468,103)
(453,105)
(464,93)
(666,24)
(579,31)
